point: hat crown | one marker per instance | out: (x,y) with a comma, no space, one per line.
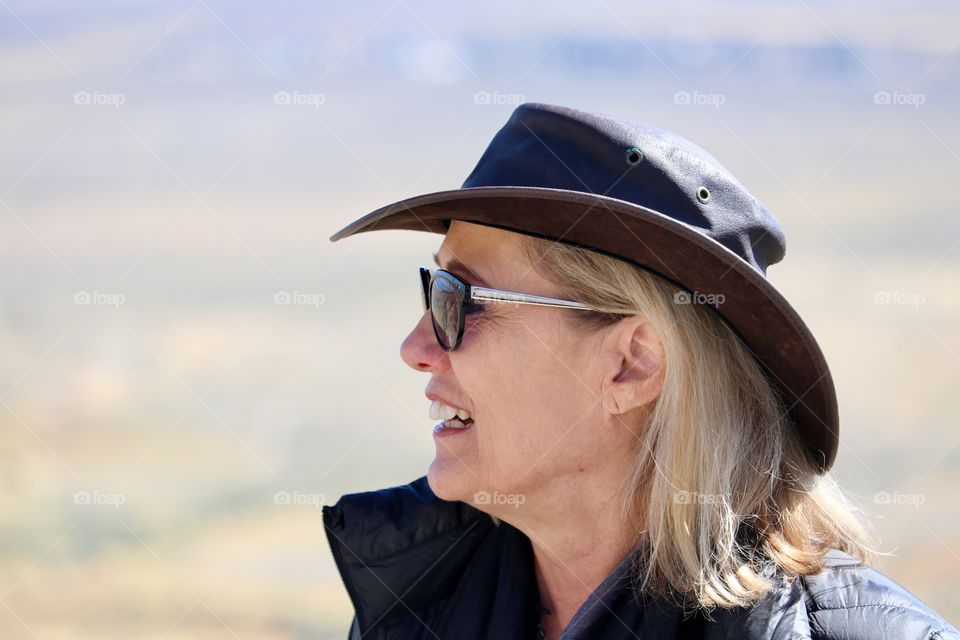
(563,148)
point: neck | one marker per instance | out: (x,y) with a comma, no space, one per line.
(576,544)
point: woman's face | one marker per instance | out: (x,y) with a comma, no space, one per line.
(533,384)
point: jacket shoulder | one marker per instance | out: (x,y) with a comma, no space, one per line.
(851,601)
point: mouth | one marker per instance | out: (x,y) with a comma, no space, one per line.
(454,419)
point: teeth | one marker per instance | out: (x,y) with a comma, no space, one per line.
(441,411)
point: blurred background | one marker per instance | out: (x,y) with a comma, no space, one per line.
(190,369)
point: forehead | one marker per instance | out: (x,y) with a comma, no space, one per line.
(492,255)
(466,240)
(496,256)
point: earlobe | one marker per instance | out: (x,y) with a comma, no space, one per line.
(611,405)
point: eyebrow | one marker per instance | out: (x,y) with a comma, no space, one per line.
(455,266)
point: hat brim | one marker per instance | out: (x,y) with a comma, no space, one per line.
(769,326)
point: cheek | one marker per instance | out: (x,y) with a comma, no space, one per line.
(527,394)
(495,374)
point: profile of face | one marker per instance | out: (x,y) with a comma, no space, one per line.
(554,405)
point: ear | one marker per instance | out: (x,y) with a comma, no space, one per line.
(636,365)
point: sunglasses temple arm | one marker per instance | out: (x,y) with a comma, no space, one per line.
(494,295)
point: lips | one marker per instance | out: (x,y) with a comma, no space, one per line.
(454,418)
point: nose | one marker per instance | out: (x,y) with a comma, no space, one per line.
(420,349)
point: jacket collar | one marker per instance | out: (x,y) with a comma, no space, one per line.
(407,557)
(404,553)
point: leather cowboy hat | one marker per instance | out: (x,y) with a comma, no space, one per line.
(650,197)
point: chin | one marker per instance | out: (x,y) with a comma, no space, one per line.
(449,480)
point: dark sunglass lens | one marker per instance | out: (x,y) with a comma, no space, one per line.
(425,288)
(445,307)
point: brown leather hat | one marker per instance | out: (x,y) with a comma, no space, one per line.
(652,198)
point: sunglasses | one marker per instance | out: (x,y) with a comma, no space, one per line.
(450,299)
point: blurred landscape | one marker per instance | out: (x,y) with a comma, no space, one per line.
(191,369)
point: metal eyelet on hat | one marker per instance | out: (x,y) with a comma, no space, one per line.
(703,195)
(634,156)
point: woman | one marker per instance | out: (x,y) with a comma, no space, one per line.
(637,429)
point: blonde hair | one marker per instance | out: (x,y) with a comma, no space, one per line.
(723,492)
